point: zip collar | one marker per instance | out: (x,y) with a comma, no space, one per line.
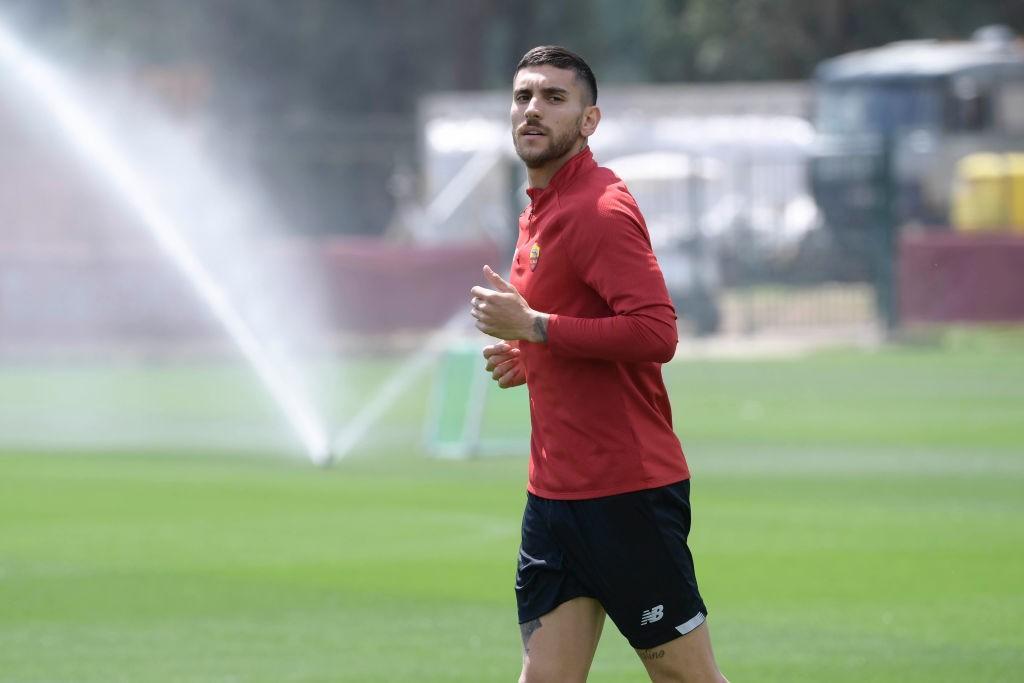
(582,162)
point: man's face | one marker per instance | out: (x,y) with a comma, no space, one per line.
(549,114)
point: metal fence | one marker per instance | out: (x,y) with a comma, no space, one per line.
(744,248)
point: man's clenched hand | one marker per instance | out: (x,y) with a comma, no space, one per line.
(502,312)
(504,364)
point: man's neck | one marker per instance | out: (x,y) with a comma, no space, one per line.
(540,177)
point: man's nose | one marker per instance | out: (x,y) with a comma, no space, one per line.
(532,109)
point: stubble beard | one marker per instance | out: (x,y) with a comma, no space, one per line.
(558,148)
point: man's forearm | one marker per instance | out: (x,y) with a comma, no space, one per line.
(616,338)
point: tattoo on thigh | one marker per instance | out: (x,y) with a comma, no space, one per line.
(649,655)
(526,630)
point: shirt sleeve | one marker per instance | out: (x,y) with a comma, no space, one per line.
(613,256)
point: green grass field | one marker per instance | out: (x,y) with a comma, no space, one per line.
(858,516)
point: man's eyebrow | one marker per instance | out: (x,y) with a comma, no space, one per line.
(550,90)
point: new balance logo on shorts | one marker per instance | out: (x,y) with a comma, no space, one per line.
(649,616)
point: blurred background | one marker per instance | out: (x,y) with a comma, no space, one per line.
(249,227)
(343,169)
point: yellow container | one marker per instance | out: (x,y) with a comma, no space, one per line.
(978,193)
(988,193)
(1015,170)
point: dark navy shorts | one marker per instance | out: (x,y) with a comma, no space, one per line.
(626,551)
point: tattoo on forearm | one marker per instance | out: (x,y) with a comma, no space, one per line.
(526,630)
(648,655)
(540,326)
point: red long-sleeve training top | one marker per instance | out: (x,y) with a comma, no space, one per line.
(600,414)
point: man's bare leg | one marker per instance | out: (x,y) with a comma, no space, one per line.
(687,659)
(559,647)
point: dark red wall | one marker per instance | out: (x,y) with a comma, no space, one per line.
(949,277)
(379,288)
(73,295)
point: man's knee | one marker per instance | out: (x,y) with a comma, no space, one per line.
(536,672)
(686,677)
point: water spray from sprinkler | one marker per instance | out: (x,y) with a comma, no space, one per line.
(82,130)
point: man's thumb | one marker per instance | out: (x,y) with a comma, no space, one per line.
(499,282)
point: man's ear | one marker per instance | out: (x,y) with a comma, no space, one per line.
(591,117)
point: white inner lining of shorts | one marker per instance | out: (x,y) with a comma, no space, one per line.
(688,626)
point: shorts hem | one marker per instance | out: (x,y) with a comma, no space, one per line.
(562,599)
(661,637)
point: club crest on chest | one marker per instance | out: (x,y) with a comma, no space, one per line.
(534,255)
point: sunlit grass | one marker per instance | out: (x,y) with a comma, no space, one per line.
(857,517)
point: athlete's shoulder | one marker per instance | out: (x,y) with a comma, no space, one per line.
(602,194)
(606,205)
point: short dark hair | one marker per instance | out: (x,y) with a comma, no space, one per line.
(559,57)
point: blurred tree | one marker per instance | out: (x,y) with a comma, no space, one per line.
(326,90)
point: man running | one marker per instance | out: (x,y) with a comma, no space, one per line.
(586,323)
